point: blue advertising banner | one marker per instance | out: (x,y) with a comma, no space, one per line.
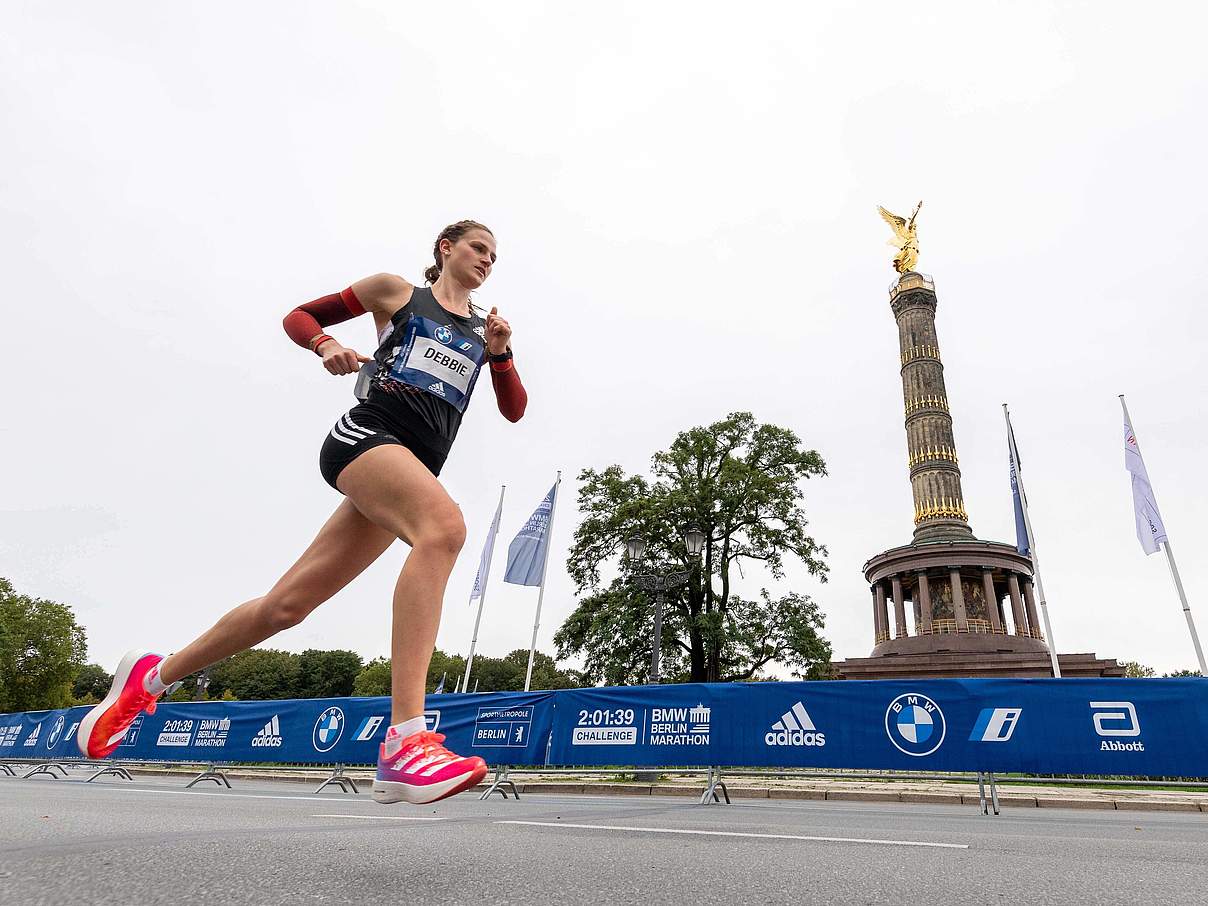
(502,727)
(1153,727)
(1093,726)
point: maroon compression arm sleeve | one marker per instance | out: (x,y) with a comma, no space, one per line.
(307,321)
(509,392)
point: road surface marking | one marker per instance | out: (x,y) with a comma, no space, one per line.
(708,833)
(384,817)
(223,794)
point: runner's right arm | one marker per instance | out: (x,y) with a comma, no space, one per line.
(383,294)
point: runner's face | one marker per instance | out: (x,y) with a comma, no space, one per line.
(471,258)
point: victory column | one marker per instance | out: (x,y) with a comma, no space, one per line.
(947,604)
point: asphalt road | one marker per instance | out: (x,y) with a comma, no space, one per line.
(62,842)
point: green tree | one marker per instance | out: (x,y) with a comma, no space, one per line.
(91,684)
(259,673)
(451,666)
(740,483)
(496,674)
(42,648)
(1182,673)
(327,674)
(374,678)
(546,674)
(492,674)
(1137,670)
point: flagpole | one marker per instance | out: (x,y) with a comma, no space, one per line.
(1027,524)
(1174,569)
(465,683)
(549,531)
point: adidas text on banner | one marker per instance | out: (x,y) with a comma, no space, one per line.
(269,735)
(795,728)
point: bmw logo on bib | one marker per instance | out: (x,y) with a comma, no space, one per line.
(915,724)
(444,335)
(328,729)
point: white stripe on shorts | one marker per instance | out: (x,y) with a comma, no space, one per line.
(352,427)
(343,440)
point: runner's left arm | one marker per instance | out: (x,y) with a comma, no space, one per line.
(509,392)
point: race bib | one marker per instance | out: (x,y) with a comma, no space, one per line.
(438,360)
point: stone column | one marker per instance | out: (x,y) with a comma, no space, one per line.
(958,601)
(876,616)
(882,616)
(1021,621)
(899,608)
(925,603)
(991,600)
(1030,603)
(935,475)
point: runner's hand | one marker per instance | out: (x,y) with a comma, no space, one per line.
(341,360)
(499,332)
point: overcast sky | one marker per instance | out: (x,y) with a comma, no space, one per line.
(685,203)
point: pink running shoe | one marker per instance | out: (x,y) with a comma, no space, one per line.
(103,727)
(423,770)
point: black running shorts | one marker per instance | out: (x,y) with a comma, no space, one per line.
(364,428)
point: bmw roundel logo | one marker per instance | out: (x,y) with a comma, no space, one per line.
(328,729)
(55,732)
(444,335)
(915,724)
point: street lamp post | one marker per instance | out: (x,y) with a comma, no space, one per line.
(203,683)
(694,543)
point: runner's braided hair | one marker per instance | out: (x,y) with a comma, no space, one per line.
(452,232)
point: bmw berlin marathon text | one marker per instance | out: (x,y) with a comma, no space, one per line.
(657,726)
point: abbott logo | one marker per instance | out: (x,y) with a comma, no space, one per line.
(995,725)
(795,728)
(1131,727)
(1114,719)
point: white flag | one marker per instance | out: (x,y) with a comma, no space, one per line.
(484,564)
(1150,530)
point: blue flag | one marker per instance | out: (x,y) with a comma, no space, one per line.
(1021,528)
(526,553)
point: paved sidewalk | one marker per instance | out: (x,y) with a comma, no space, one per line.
(746,787)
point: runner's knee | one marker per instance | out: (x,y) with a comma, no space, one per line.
(444,533)
(286,608)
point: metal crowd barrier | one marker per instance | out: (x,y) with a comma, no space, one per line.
(977,729)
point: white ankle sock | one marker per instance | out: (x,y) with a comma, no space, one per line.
(400,731)
(152,683)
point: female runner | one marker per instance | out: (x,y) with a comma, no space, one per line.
(384,456)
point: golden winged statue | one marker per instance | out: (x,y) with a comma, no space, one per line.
(906,239)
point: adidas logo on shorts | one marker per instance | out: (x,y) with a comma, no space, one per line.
(795,728)
(438,388)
